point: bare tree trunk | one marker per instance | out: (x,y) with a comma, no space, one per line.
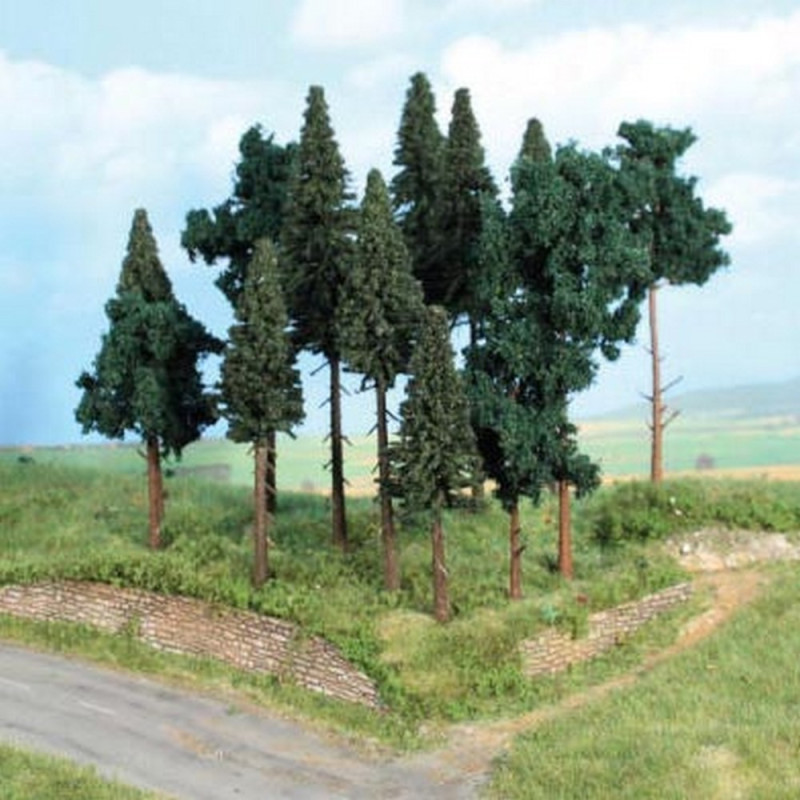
(391,568)
(656,398)
(261,521)
(272,473)
(155,491)
(515,554)
(564,531)
(339,520)
(441,601)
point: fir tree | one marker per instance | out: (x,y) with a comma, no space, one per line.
(145,377)
(230,230)
(379,313)
(416,185)
(260,386)
(316,240)
(466,183)
(680,235)
(436,455)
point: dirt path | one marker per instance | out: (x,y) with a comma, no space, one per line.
(471,748)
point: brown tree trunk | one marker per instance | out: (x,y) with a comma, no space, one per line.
(441,601)
(515,554)
(272,473)
(564,531)
(391,569)
(656,400)
(261,520)
(339,520)
(155,492)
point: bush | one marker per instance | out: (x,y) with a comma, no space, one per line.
(642,511)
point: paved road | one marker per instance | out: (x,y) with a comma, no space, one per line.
(189,746)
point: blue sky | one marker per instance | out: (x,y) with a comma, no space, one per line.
(109,106)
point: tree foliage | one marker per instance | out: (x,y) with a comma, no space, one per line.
(260,385)
(681,234)
(466,183)
(381,303)
(436,455)
(416,186)
(255,210)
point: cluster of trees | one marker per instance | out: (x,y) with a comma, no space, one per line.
(547,284)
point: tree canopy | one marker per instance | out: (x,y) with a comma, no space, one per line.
(415,187)
(254,210)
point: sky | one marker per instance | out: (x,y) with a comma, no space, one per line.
(107,106)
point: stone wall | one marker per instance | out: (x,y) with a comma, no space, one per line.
(555,650)
(182,625)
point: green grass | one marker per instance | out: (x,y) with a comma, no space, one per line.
(59,521)
(622,446)
(719,721)
(29,776)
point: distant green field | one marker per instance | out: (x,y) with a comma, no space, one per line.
(724,444)
(756,444)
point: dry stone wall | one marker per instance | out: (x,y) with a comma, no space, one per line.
(555,650)
(183,625)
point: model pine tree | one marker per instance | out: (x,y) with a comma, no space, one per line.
(379,314)
(466,183)
(260,386)
(230,230)
(145,378)
(583,274)
(416,186)
(436,455)
(317,242)
(514,427)
(680,235)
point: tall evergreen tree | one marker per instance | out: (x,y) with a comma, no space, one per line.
(415,187)
(466,183)
(583,273)
(681,236)
(503,370)
(230,230)
(145,377)
(260,386)
(317,241)
(379,314)
(436,455)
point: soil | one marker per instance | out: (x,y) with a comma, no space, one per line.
(723,562)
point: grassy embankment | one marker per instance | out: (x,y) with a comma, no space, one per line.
(57,521)
(28,776)
(718,721)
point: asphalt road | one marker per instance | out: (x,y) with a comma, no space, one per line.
(185,745)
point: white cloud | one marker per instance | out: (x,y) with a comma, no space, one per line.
(761,207)
(347,23)
(582,83)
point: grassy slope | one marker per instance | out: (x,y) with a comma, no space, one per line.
(719,721)
(26,776)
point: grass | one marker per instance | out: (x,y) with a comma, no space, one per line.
(60,521)
(719,721)
(752,443)
(28,776)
